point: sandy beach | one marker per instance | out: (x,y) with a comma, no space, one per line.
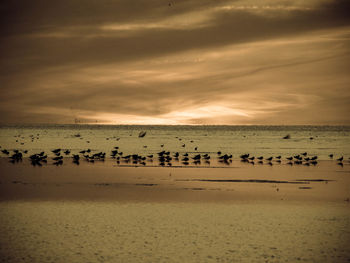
(87,231)
(104,213)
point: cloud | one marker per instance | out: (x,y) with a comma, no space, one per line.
(212,62)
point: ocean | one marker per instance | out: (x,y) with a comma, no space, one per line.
(236,140)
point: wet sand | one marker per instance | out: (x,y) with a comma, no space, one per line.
(242,213)
(325,182)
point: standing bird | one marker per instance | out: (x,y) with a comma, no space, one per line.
(56,151)
(6,152)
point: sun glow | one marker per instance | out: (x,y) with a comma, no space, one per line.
(176,117)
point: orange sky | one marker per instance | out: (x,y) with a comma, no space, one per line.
(175,62)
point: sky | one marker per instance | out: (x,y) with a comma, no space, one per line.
(211,62)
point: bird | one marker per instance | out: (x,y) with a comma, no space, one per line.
(206,157)
(269,159)
(6,152)
(16,157)
(56,151)
(142,134)
(298,157)
(197,157)
(340,159)
(331,155)
(114,153)
(161,153)
(244,156)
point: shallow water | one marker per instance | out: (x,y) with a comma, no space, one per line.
(104,212)
(235,140)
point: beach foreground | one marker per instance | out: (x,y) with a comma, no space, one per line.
(81,231)
(106,213)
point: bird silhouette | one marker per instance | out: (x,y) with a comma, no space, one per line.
(340,159)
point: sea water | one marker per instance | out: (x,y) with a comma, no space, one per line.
(236,140)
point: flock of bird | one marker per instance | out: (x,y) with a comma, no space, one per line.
(298,159)
(165,158)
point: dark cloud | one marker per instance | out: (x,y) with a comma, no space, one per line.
(79,57)
(25,20)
